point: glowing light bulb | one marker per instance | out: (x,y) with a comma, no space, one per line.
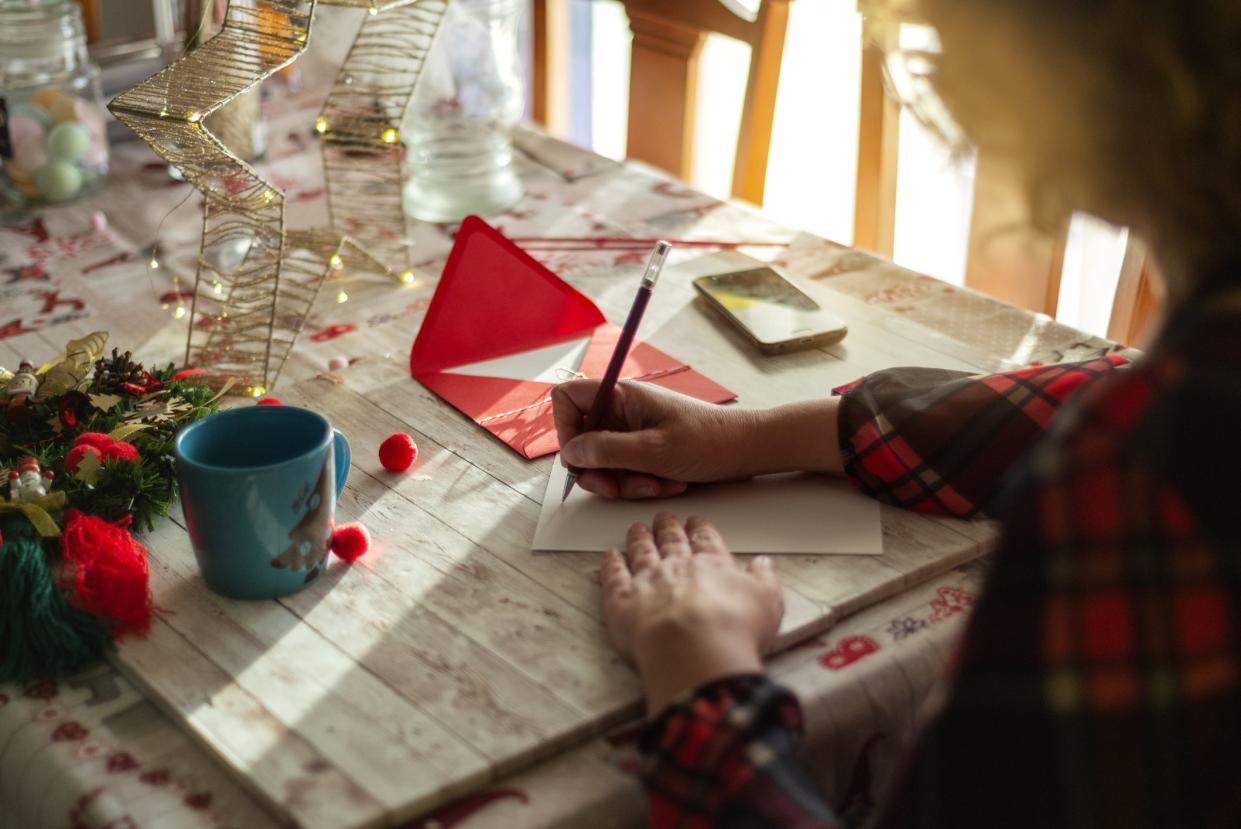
(178,312)
(390,136)
(217,288)
(153,264)
(408,277)
(342,296)
(257,391)
(194,117)
(336,262)
(372,10)
(321,125)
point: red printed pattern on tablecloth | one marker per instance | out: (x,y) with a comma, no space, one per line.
(459,811)
(31,297)
(847,651)
(114,762)
(949,602)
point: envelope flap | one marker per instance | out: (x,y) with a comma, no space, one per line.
(643,360)
(495,299)
(485,398)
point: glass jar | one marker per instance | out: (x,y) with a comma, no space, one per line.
(458,132)
(53,145)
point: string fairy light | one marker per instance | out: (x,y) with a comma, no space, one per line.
(153,263)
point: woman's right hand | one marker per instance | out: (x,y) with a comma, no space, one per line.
(653,442)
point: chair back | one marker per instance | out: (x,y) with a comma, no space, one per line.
(668,38)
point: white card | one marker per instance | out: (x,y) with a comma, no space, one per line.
(550,364)
(815,514)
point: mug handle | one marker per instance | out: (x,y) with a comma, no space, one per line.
(342,459)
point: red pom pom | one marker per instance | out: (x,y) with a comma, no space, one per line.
(77,453)
(350,541)
(398,452)
(96,439)
(270,401)
(121,451)
(104,572)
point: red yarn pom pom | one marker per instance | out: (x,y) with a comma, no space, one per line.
(270,401)
(77,453)
(96,439)
(121,451)
(350,541)
(104,572)
(398,452)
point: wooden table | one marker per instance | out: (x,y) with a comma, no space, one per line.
(452,658)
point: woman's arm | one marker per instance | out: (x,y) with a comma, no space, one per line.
(926,439)
(942,442)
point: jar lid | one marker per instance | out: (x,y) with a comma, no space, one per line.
(48,32)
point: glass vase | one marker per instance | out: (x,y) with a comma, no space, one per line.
(458,131)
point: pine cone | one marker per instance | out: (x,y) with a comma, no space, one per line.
(112,373)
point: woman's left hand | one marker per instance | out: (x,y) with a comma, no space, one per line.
(678,605)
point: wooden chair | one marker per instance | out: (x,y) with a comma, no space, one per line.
(1136,308)
(668,38)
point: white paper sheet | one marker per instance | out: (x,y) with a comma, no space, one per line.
(549,364)
(773,514)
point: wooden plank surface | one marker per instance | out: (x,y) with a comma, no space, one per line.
(451,654)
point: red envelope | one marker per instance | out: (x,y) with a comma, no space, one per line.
(502,331)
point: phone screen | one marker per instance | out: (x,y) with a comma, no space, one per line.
(768,305)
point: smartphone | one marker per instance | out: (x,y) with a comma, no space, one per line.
(772,312)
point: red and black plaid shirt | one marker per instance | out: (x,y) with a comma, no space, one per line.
(1098,681)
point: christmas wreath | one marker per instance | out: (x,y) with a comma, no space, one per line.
(86,452)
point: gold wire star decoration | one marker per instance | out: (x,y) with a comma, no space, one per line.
(256,280)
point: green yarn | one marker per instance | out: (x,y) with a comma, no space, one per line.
(42,636)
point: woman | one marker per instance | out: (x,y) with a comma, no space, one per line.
(1098,681)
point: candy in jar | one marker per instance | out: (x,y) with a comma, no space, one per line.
(53,142)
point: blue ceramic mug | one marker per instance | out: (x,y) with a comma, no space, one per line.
(259,488)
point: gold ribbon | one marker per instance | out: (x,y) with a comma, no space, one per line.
(37,510)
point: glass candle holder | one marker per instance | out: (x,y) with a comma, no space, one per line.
(53,145)
(458,131)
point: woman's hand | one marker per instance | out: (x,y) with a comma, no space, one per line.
(678,606)
(653,442)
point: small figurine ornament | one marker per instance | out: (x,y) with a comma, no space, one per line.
(23,384)
(28,480)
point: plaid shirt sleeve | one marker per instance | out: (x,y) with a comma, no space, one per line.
(941,441)
(723,758)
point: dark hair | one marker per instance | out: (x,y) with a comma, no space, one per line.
(1127,109)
